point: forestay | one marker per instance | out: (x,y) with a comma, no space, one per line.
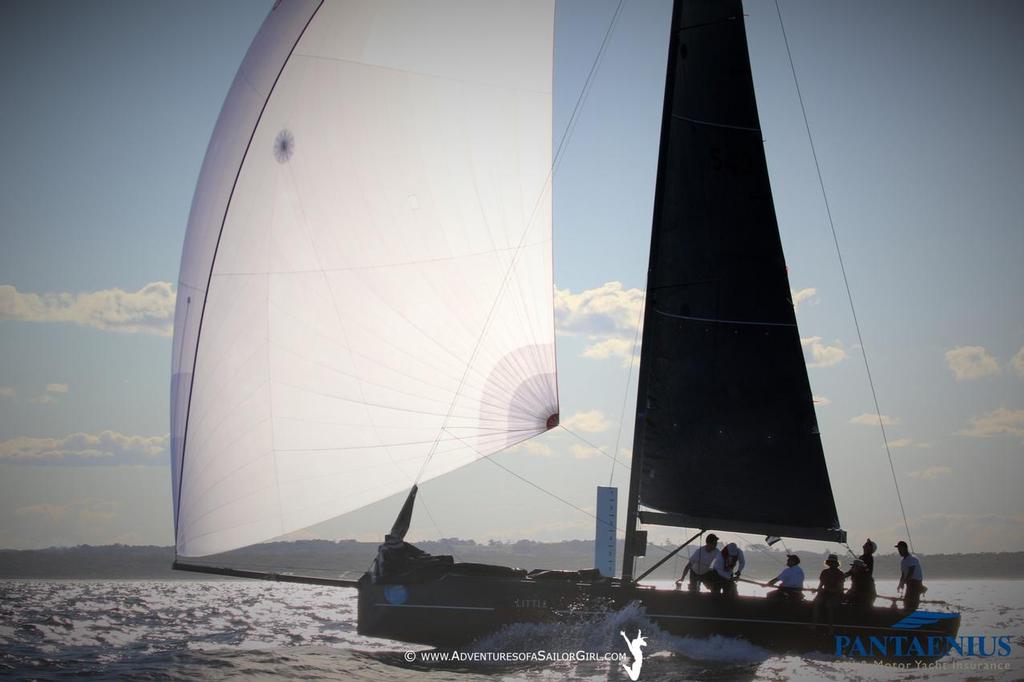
(365,297)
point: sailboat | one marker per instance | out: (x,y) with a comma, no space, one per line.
(366,303)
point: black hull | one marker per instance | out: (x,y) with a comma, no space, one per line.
(454,611)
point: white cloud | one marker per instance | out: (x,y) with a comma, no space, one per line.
(608,310)
(822,355)
(50,512)
(7,392)
(804,295)
(1017,362)
(57,388)
(590,421)
(996,423)
(43,399)
(899,442)
(931,472)
(90,510)
(619,348)
(97,511)
(532,447)
(106,447)
(150,310)
(820,400)
(607,316)
(971,362)
(580,451)
(872,419)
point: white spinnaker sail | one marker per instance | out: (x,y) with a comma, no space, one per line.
(366,286)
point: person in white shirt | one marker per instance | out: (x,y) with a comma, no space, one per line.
(911,577)
(699,565)
(791,580)
(726,569)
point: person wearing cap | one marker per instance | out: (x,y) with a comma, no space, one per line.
(726,569)
(862,585)
(791,580)
(699,565)
(830,589)
(911,577)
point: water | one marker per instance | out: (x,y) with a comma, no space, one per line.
(169,630)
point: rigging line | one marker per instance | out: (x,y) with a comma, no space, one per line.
(440,536)
(846,281)
(611,457)
(515,254)
(629,377)
(585,91)
(527,481)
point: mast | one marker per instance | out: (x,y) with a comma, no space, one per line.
(726,436)
(633,500)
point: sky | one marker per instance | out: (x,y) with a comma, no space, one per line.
(913,109)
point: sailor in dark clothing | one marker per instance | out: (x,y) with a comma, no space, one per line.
(868,557)
(862,585)
(830,589)
(395,556)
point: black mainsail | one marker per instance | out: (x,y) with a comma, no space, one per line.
(726,435)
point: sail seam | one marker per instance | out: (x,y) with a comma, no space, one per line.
(715,125)
(721,321)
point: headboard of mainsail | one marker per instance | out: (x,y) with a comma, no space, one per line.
(726,435)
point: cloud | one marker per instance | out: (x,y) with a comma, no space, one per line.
(590,421)
(625,349)
(150,310)
(931,472)
(7,392)
(97,511)
(1017,362)
(804,295)
(608,316)
(822,355)
(820,400)
(608,310)
(580,451)
(872,419)
(971,362)
(105,447)
(50,396)
(899,442)
(532,447)
(90,510)
(49,512)
(999,422)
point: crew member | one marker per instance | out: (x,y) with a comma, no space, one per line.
(830,589)
(862,585)
(791,580)
(911,577)
(868,557)
(726,569)
(699,565)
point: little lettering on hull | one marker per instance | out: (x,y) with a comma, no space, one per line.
(529,603)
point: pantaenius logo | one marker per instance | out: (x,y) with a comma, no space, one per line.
(921,645)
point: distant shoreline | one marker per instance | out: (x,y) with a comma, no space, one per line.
(326,558)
